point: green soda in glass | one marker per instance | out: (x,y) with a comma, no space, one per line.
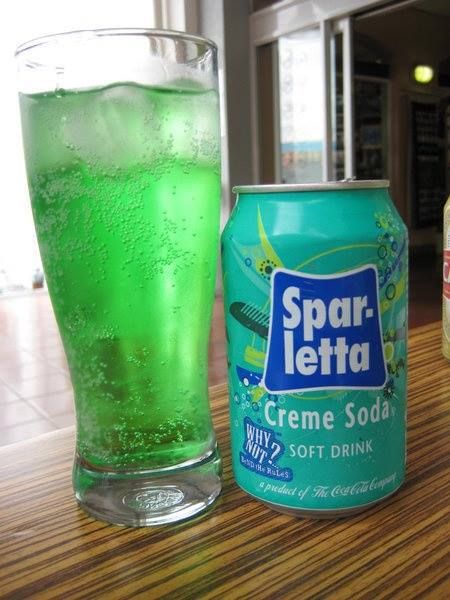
(125,189)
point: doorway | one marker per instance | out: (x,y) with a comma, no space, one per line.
(402,126)
(346,104)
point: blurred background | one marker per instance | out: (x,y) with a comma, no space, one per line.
(311,90)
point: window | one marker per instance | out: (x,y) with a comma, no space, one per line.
(19,255)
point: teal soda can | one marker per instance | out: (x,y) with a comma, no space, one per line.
(315,295)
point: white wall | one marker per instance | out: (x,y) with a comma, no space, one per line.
(22,21)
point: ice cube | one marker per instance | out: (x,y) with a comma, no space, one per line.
(120,126)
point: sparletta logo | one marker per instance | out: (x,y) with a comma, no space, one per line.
(446,274)
(325,332)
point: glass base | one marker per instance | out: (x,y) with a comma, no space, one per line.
(147,498)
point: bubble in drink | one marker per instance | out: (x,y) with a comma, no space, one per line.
(125,189)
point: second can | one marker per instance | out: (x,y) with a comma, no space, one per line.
(315,287)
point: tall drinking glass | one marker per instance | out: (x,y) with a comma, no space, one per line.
(121,138)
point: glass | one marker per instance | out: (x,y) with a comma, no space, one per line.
(302,106)
(121,138)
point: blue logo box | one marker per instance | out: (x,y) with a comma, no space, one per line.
(325,332)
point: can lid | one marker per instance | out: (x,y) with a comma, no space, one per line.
(326,186)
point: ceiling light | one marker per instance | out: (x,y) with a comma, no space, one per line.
(423,73)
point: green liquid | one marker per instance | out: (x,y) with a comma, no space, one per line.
(125,190)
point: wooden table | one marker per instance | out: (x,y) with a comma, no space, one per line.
(49,548)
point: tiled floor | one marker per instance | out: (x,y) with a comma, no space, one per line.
(35,390)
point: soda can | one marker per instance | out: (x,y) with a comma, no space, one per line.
(315,296)
(446,283)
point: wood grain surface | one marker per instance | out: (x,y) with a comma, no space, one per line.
(49,548)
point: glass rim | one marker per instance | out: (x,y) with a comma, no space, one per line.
(113,32)
(324,186)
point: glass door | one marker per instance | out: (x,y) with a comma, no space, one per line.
(302,106)
(315,78)
(303,92)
